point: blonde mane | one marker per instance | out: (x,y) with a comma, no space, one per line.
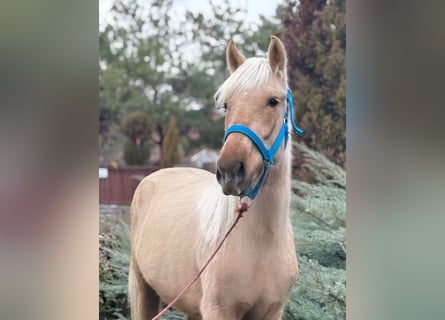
(216,213)
(252,73)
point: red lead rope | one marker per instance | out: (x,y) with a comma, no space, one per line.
(241,208)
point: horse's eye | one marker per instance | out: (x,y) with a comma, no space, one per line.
(224,108)
(272,102)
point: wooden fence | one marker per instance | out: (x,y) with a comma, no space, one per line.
(116,186)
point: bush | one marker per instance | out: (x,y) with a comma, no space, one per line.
(137,127)
(136,154)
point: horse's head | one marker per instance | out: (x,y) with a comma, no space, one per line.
(254,96)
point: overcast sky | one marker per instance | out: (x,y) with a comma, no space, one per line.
(254,8)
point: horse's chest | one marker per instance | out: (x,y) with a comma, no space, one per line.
(257,287)
(274,274)
(269,262)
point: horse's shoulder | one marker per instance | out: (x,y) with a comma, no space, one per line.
(173,176)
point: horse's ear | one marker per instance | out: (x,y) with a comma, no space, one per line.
(277,55)
(234,57)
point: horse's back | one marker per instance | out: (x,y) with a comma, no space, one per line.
(173,181)
(169,191)
(165,229)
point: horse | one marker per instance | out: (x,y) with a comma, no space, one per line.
(178,215)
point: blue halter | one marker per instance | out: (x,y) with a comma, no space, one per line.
(268,154)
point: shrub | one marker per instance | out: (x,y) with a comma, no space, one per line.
(136,154)
(138,128)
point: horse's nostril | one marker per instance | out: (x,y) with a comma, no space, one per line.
(240,170)
(233,171)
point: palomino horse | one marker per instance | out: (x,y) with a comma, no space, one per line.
(179,215)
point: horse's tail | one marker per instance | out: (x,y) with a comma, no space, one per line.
(133,291)
(144,301)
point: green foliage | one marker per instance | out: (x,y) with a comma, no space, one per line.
(135,65)
(114,249)
(111,144)
(170,149)
(319,294)
(318,214)
(136,154)
(137,127)
(315,38)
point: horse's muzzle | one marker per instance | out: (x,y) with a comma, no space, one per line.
(231,176)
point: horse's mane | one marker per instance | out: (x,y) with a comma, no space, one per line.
(253,72)
(217,213)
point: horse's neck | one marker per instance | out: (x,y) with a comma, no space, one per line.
(272,202)
(269,212)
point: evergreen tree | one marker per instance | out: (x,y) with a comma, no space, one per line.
(171,147)
(315,38)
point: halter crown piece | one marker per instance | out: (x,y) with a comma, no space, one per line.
(268,154)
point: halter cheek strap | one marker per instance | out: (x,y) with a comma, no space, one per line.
(268,154)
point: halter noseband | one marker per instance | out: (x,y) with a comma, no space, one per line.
(268,154)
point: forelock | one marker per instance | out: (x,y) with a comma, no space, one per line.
(254,72)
